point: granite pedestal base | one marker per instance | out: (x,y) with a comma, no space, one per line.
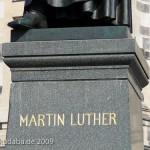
(76,94)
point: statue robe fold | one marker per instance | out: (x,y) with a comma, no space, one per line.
(117,12)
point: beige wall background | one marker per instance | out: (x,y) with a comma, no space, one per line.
(141,31)
(8,10)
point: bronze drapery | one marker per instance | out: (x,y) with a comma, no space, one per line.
(116,12)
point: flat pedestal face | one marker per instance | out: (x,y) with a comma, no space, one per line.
(74,115)
(76,95)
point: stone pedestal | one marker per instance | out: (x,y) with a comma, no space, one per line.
(76,94)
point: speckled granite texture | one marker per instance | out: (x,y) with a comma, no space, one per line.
(71,77)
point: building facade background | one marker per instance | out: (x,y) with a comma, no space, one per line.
(10,9)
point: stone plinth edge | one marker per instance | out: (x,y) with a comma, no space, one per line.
(21,56)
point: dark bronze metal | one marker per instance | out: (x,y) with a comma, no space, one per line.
(73,33)
(65,13)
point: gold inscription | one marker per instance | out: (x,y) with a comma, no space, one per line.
(43,120)
(24,120)
(32,121)
(79,119)
(95,119)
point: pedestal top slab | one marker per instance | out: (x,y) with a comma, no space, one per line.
(92,52)
(72,33)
